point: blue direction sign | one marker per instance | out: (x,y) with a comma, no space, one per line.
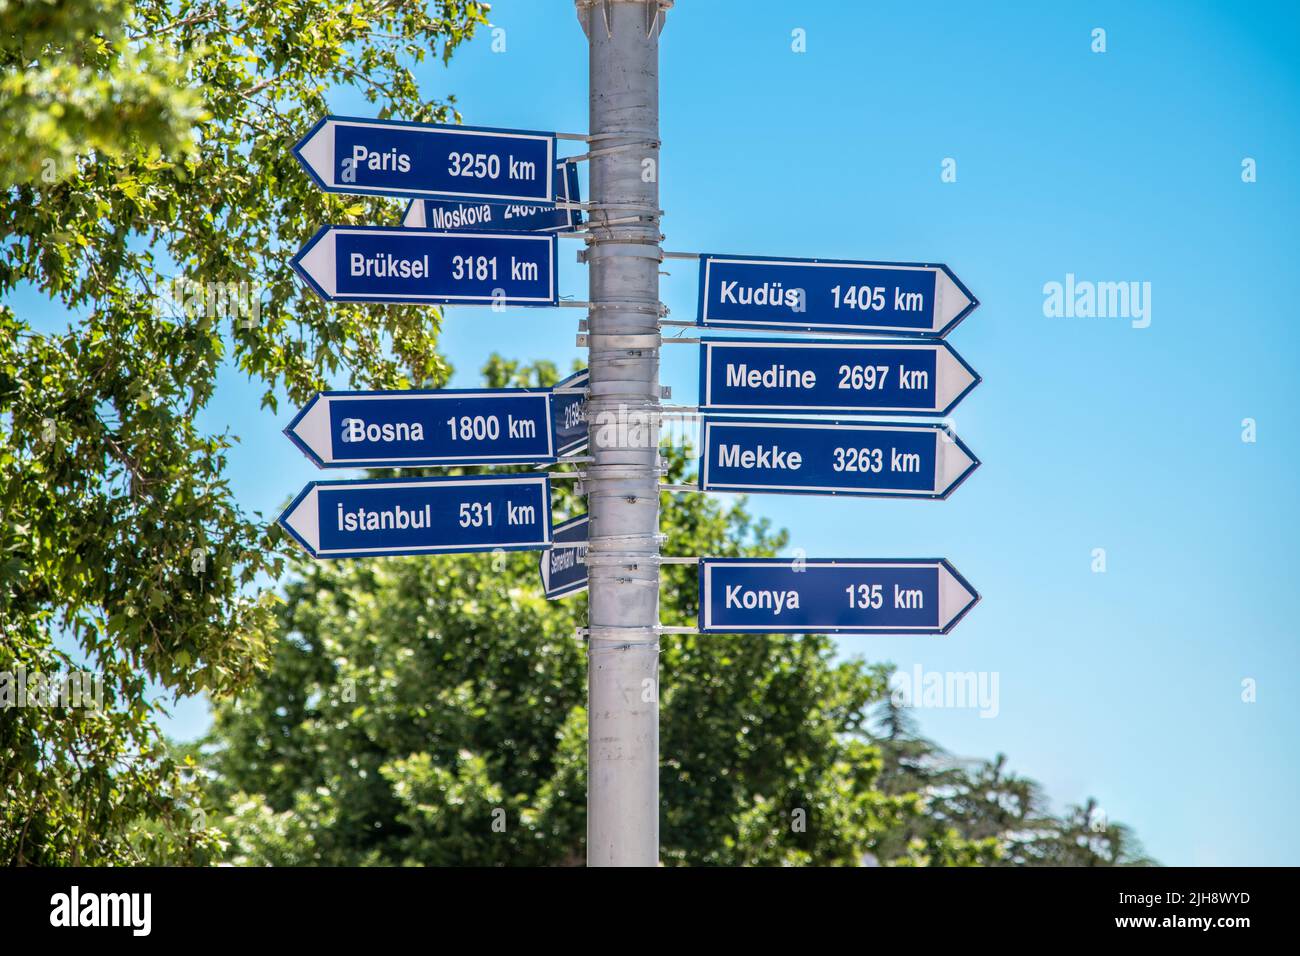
(832,458)
(379,517)
(468,216)
(564,570)
(378,264)
(830,295)
(778,596)
(569,413)
(369,157)
(437,427)
(917,378)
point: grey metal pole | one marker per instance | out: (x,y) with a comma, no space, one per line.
(622,479)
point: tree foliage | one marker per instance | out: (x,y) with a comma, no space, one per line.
(151,193)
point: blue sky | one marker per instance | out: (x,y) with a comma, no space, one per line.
(1116,166)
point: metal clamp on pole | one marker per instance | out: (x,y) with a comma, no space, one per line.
(615,341)
(621,638)
(620,559)
(605,223)
(618,472)
(651,212)
(620,634)
(657,309)
(628,539)
(606,150)
(620,247)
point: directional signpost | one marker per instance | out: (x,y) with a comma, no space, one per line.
(832,376)
(378,264)
(390,158)
(384,517)
(564,569)
(777,596)
(410,428)
(830,295)
(832,458)
(471,215)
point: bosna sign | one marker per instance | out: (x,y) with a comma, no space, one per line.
(780,596)
(420,427)
(830,295)
(371,157)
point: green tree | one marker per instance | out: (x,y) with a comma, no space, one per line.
(151,193)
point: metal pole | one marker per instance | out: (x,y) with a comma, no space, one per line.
(622,479)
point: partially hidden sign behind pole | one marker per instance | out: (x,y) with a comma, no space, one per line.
(419,427)
(471,216)
(378,264)
(778,596)
(564,569)
(830,295)
(380,517)
(917,378)
(832,458)
(372,157)
(569,413)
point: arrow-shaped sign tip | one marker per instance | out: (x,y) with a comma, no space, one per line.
(954,301)
(302,520)
(315,152)
(310,431)
(955,379)
(956,597)
(315,262)
(956,462)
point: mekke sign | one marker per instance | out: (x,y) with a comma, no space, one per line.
(832,458)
